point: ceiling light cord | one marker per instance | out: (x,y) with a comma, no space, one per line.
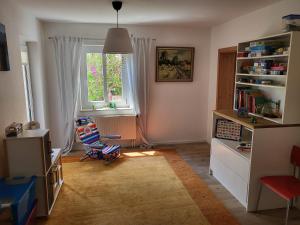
(117,18)
(117,5)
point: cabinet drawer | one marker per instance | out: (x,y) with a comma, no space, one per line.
(230,159)
(230,180)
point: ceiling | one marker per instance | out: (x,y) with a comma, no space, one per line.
(152,12)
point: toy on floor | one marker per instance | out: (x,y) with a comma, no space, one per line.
(90,137)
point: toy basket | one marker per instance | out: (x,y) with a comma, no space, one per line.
(19,195)
(291,23)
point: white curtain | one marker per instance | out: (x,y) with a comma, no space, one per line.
(68,55)
(138,71)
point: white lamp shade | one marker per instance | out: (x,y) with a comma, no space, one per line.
(117,42)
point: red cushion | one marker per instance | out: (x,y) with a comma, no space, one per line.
(287,187)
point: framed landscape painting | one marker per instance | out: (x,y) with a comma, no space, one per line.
(174,64)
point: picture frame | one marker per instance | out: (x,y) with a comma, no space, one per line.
(227,129)
(174,64)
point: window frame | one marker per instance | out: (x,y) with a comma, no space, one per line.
(27,82)
(100,105)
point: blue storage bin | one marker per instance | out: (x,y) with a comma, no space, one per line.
(19,194)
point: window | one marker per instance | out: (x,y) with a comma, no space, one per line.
(102,77)
(27,83)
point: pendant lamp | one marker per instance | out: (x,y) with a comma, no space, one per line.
(117,39)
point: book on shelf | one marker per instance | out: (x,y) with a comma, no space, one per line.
(249,99)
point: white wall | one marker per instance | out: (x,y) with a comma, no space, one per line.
(259,23)
(20,27)
(178,111)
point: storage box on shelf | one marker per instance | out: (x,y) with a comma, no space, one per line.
(267,78)
(30,154)
(239,171)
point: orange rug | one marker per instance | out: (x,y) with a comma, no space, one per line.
(211,208)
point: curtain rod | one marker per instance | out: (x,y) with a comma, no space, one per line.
(85,38)
(99,39)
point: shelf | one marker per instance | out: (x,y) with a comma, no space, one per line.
(276,36)
(260,85)
(263,57)
(260,123)
(261,75)
(56,195)
(232,146)
(275,120)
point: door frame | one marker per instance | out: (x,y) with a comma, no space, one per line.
(232,49)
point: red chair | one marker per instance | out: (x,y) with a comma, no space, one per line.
(288,187)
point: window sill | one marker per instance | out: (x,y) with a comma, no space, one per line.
(107,112)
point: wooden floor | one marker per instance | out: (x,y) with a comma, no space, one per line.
(197,156)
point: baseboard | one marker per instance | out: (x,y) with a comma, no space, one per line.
(179,142)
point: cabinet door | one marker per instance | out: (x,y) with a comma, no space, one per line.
(47,151)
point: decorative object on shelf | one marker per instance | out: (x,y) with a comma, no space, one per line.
(282,51)
(271,109)
(112,105)
(265,82)
(13,129)
(174,64)
(32,125)
(226,129)
(244,146)
(117,40)
(291,22)
(253,120)
(242,112)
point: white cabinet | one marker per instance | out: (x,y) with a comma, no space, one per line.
(239,171)
(30,154)
(230,169)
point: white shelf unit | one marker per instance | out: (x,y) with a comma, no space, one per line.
(260,85)
(264,56)
(284,88)
(30,154)
(261,75)
(239,171)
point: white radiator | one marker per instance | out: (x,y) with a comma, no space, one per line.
(121,125)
